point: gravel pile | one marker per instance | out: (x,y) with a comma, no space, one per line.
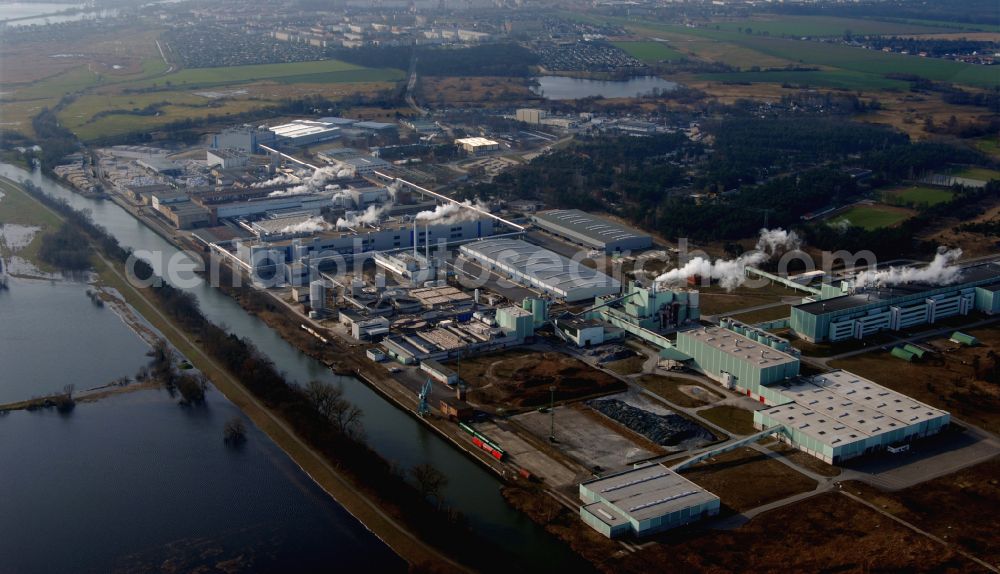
(665,430)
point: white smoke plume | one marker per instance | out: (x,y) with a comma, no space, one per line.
(773,240)
(311,225)
(371,215)
(451,212)
(941,271)
(731,273)
(283,179)
(316,182)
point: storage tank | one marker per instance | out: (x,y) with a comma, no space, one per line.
(694,305)
(317,295)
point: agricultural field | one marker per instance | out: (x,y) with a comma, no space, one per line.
(748,50)
(917,195)
(323,71)
(872,216)
(650,52)
(121,84)
(837,79)
(787,25)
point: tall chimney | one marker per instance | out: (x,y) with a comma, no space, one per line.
(427,243)
(414,238)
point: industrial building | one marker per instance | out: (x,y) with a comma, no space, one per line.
(305,132)
(362,166)
(644,501)
(833,416)
(226,158)
(333,246)
(477,146)
(839,415)
(845,312)
(243,138)
(591,231)
(541,269)
(649,312)
(745,362)
(530,115)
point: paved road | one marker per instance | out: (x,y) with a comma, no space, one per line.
(411,84)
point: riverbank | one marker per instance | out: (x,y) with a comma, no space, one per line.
(349,489)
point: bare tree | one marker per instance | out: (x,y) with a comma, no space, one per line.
(429,481)
(330,402)
(235,432)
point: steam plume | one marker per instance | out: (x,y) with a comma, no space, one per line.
(731,273)
(940,271)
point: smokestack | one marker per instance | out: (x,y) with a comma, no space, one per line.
(427,242)
(414,238)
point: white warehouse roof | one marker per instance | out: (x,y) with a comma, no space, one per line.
(591,230)
(544,269)
(476,142)
(649,491)
(840,407)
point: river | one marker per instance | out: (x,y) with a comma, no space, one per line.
(393,433)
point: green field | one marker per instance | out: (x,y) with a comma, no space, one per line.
(88,128)
(650,52)
(747,50)
(948,24)
(982,173)
(918,195)
(324,71)
(989,146)
(840,79)
(784,25)
(174,99)
(872,217)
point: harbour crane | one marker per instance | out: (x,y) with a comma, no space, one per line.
(422,407)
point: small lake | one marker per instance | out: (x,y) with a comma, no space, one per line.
(564,88)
